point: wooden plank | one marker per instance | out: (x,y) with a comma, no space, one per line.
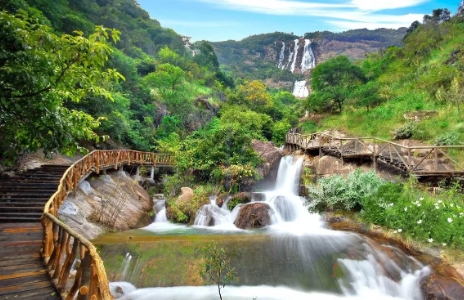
(24,287)
(24,280)
(44,293)
(22,274)
(21,261)
(20,269)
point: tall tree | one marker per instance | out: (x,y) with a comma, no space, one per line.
(39,70)
(335,79)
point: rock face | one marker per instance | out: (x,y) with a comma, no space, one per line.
(254,215)
(271,156)
(444,282)
(105,202)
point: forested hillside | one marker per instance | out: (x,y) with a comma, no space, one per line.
(76,73)
(413,91)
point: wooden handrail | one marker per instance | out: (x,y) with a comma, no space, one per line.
(62,246)
(403,153)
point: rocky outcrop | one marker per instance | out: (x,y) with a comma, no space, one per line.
(106,202)
(443,283)
(185,207)
(254,215)
(270,154)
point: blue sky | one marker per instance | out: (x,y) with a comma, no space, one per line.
(219,20)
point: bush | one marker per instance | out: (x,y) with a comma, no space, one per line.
(448,138)
(337,193)
(417,214)
(405,131)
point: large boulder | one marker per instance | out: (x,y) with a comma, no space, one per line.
(270,154)
(253,215)
(185,207)
(107,202)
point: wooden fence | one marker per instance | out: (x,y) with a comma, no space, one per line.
(418,160)
(62,247)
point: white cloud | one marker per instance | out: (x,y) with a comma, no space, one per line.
(376,5)
(346,14)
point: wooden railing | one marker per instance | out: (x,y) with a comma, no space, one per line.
(63,247)
(419,160)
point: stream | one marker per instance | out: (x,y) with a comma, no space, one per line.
(296,257)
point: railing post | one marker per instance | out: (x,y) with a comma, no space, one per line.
(409,159)
(374,156)
(436,159)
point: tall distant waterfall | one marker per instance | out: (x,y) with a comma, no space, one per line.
(309,61)
(297,58)
(281,64)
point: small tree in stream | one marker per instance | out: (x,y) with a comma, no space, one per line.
(217,266)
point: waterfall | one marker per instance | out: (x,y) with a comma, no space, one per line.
(295,51)
(309,61)
(296,257)
(160,210)
(281,64)
(125,266)
(300,90)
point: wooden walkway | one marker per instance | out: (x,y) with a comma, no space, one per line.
(42,258)
(421,161)
(23,274)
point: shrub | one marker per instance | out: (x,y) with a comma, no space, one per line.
(404,131)
(337,193)
(448,138)
(417,214)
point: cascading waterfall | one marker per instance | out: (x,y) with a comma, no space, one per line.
(160,211)
(300,90)
(309,60)
(125,267)
(295,55)
(281,64)
(297,256)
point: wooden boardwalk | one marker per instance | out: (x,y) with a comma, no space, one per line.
(23,274)
(42,258)
(421,161)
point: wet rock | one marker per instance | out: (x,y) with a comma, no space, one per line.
(221,198)
(254,215)
(443,284)
(185,207)
(270,154)
(240,198)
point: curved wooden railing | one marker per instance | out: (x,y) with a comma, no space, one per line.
(412,159)
(63,247)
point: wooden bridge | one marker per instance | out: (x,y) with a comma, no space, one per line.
(41,257)
(422,161)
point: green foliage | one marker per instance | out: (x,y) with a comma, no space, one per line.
(405,131)
(448,138)
(332,82)
(41,70)
(217,266)
(407,210)
(337,193)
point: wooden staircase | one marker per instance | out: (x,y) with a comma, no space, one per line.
(23,274)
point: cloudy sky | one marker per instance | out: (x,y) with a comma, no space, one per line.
(219,20)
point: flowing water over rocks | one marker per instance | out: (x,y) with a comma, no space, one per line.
(296,256)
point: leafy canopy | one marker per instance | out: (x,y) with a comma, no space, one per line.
(39,71)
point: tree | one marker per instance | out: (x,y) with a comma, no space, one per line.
(460,11)
(335,79)
(217,266)
(254,95)
(39,71)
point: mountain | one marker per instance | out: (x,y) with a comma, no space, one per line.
(280,57)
